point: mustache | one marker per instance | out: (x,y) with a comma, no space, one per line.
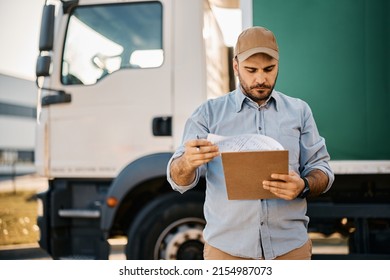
(260,86)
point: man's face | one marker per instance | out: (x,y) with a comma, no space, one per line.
(257,75)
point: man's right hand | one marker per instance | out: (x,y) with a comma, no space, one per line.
(197,152)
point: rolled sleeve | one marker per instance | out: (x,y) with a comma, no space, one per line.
(314,154)
(195,128)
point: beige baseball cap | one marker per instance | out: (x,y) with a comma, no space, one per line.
(256,39)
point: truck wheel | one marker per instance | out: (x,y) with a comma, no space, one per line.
(170,227)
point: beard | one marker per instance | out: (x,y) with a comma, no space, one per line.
(259,93)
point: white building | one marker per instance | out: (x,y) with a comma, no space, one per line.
(17,125)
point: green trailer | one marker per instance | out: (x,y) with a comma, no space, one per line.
(334,54)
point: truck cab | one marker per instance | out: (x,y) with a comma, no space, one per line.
(117,80)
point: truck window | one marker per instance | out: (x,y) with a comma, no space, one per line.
(103,39)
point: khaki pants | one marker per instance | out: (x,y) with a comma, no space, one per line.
(302,253)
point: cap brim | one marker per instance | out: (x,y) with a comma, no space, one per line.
(242,56)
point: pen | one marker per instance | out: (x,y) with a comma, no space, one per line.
(197,147)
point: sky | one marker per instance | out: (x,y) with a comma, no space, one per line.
(19,28)
(19,34)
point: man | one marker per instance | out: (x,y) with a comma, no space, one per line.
(266,228)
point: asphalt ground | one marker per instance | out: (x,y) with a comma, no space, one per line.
(34,252)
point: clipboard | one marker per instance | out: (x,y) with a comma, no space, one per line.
(245,172)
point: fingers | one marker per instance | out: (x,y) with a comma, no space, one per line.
(283,186)
(278,188)
(200,151)
(200,146)
(291,177)
(199,143)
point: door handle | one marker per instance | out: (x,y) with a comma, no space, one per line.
(162,126)
(57,98)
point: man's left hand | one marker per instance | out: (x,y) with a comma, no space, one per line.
(285,186)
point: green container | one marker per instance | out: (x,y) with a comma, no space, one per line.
(334,54)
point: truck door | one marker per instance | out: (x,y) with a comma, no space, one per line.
(115,69)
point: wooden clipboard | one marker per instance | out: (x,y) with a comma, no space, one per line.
(245,172)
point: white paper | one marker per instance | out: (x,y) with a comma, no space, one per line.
(244,142)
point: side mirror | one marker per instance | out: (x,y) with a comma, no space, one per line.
(43,66)
(46,38)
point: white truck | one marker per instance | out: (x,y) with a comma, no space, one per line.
(117,80)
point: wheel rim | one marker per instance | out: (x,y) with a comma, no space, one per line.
(181,240)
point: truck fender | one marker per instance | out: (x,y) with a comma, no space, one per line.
(134,173)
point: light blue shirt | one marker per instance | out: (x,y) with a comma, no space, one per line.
(256,228)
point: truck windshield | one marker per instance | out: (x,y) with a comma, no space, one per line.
(103,39)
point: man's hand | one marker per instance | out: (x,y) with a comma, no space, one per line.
(287,187)
(290,186)
(196,153)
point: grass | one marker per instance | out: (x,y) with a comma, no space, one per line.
(18,218)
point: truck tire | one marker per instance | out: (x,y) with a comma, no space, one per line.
(170,227)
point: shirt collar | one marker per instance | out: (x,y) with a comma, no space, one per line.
(240,97)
